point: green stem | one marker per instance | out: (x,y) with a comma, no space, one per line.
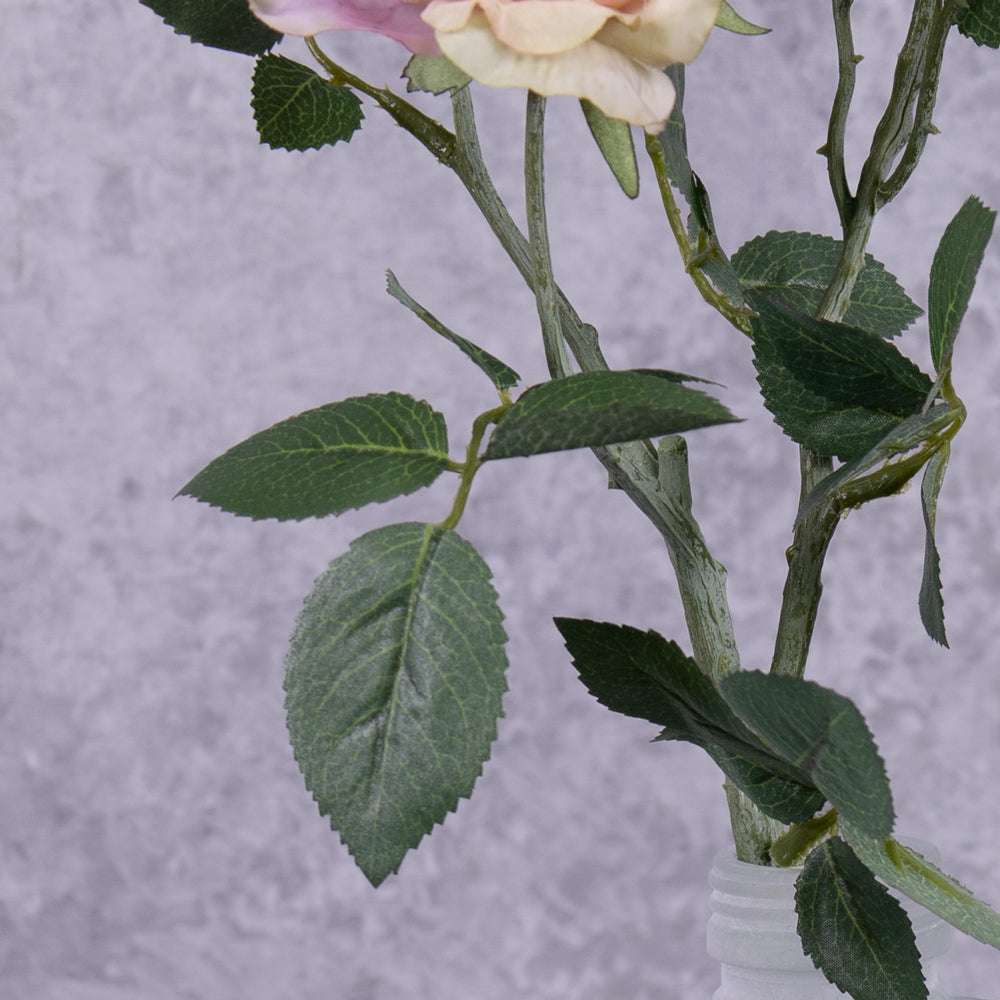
(546,300)
(472,463)
(903,127)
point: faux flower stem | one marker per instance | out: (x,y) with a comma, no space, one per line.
(904,125)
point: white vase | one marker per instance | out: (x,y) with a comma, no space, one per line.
(751,932)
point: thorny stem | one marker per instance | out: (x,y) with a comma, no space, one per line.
(903,127)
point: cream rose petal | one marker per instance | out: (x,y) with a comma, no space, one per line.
(618,85)
(532,27)
(667,31)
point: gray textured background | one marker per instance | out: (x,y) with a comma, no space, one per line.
(169,287)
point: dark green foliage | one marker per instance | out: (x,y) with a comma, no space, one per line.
(796,268)
(822,733)
(642,675)
(834,388)
(980,21)
(296,109)
(597,408)
(953,275)
(853,930)
(394,683)
(222,24)
(361,450)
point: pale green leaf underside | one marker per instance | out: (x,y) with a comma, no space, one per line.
(394,682)
(824,734)
(501,374)
(953,274)
(732,21)
(797,268)
(853,930)
(591,409)
(433,75)
(904,869)
(614,139)
(296,109)
(362,450)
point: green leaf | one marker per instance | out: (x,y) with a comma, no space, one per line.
(980,21)
(908,434)
(296,109)
(953,275)
(731,21)
(590,409)
(673,139)
(614,139)
(501,375)
(834,388)
(361,450)
(854,930)
(642,675)
(433,75)
(796,269)
(904,869)
(931,603)
(394,684)
(221,24)
(822,733)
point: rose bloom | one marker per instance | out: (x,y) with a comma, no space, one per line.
(610,52)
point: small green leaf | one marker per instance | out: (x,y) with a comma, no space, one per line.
(590,409)
(362,450)
(980,21)
(296,109)
(953,275)
(642,675)
(822,733)
(931,603)
(731,21)
(796,269)
(394,682)
(816,376)
(221,24)
(853,930)
(501,375)
(673,139)
(904,869)
(614,139)
(433,75)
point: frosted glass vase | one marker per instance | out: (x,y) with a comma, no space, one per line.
(751,932)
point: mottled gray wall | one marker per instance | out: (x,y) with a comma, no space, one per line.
(168,287)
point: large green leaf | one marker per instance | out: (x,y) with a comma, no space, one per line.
(822,733)
(834,388)
(643,675)
(930,602)
(953,275)
(796,269)
(614,139)
(499,373)
(906,870)
(394,683)
(222,24)
(295,108)
(590,409)
(980,21)
(853,930)
(361,450)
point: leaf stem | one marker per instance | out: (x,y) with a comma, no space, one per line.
(472,463)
